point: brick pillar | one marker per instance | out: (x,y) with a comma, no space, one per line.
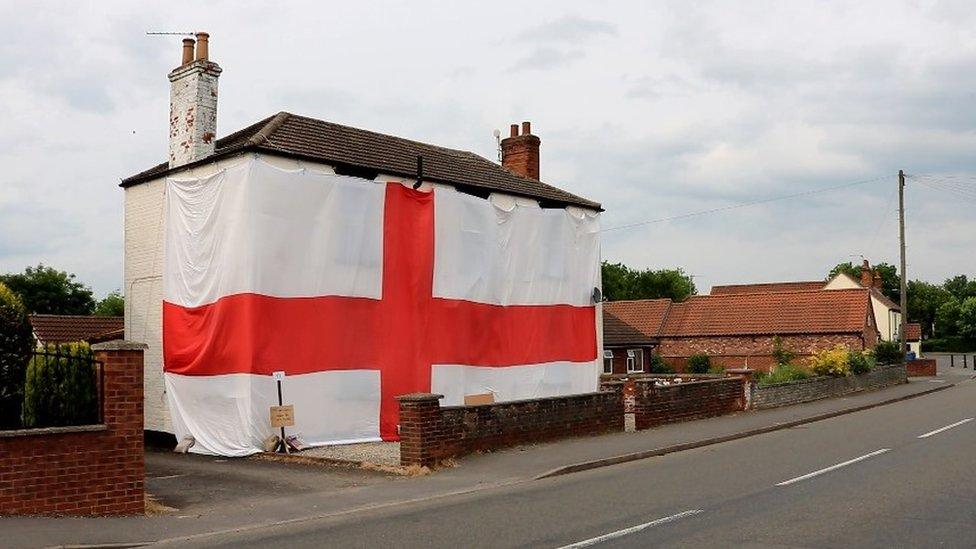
(123,415)
(747,375)
(420,418)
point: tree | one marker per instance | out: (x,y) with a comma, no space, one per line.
(49,291)
(112,305)
(924,299)
(622,282)
(890,281)
(947,318)
(16,344)
(966,323)
(960,287)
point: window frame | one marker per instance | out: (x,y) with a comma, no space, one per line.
(607,355)
(633,365)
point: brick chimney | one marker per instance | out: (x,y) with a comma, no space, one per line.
(878,283)
(193,103)
(520,153)
(867,277)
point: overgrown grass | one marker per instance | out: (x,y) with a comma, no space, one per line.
(782,374)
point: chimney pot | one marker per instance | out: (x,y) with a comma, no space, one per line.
(187,51)
(203,46)
(526,128)
(514,130)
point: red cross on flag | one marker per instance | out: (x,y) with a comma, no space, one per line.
(362,291)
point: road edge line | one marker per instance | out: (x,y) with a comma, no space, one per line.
(657,452)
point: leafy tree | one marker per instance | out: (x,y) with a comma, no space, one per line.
(960,287)
(966,322)
(622,282)
(890,281)
(48,290)
(947,318)
(112,305)
(924,299)
(16,344)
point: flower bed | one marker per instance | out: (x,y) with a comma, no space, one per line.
(816,388)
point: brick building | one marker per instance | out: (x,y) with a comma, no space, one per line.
(630,334)
(739,329)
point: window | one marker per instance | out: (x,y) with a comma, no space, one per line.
(608,362)
(635,360)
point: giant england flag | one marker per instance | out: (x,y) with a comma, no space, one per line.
(361,291)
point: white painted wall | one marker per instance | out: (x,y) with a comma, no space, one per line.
(888,319)
(143,267)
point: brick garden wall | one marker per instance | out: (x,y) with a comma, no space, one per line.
(922,367)
(655,404)
(796,392)
(86,470)
(737,351)
(430,433)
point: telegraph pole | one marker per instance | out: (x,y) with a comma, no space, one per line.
(904,277)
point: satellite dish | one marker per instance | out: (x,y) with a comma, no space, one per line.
(597,295)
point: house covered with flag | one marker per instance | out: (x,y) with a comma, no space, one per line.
(362,265)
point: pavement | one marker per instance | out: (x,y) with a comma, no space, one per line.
(217,499)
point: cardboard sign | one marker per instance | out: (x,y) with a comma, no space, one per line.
(283,416)
(477,400)
(278,376)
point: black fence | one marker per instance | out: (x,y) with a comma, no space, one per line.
(63,386)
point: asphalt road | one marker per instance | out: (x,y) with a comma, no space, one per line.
(869,479)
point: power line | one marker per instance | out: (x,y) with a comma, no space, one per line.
(744,204)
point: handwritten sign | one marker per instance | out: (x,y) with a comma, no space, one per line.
(278,376)
(283,416)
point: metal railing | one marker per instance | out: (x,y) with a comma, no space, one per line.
(63,386)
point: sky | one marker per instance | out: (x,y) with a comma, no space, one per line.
(655,110)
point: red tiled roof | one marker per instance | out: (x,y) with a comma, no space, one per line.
(69,328)
(885,299)
(766,287)
(913,331)
(802,312)
(638,321)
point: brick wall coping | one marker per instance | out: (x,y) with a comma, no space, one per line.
(419,397)
(526,400)
(816,379)
(44,431)
(119,345)
(685,383)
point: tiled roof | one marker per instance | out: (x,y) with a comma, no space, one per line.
(885,299)
(913,331)
(767,287)
(639,321)
(69,328)
(296,136)
(802,312)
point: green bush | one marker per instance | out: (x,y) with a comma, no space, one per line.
(782,374)
(858,362)
(783,356)
(16,344)
(62,387)
(949,345)
(888,352)
(699,363)
(658,366)
(717,370)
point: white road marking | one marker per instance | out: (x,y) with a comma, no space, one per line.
(833,467)
(165,477)
(946,428)
(936,381)
(632,529)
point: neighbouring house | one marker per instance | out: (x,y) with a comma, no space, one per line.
(630,334)
(887,313)
(52,329)
(913,337)
(242,291)
(740,329)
